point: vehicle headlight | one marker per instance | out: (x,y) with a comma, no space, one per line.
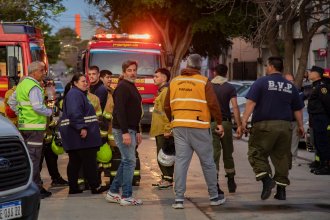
(151,108)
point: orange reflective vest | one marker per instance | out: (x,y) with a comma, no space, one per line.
(188,102)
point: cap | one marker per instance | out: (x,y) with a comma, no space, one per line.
(194,61)
(317,69)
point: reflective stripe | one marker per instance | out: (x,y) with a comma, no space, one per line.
(34,143)
(65,120)
(158,112)
(107,115)
(111,137)
(88,117)
(31,125)
(36,103)
(281,184)
(261,174)
(188,99)
(91,120)
(98,113)
(328,128)
(64,124)
(190,79)
(104,133)
(190,120)
(24,103)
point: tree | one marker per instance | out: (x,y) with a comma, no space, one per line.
(70,46)
(280,17)
(176,22)
(35,13)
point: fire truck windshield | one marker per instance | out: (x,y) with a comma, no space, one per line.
(148,60)
(37,53)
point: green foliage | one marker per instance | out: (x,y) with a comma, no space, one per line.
(33,11)
(210,19)
(53,48)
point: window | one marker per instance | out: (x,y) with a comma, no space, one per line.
(319,61)
(10,54)
(113,59)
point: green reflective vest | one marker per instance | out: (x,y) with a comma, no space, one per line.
(28,119)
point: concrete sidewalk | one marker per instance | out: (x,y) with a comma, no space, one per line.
(308,196)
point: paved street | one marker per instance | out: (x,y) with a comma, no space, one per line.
(308,196)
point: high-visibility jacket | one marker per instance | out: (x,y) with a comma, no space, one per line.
(28,119)
(188,102)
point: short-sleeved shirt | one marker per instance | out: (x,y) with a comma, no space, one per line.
(225,92)
(275,97)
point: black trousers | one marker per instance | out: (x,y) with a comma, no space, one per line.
(85,158)
(51,161)
(321,140)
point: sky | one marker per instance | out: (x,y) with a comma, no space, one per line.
(73,7)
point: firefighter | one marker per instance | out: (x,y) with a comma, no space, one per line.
(32,116)
(318,109)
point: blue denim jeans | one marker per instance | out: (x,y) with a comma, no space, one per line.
(125,172)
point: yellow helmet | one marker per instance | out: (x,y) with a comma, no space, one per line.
(57,147)
(104,155)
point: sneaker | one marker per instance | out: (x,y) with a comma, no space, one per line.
(60,182)
(165,184)
(130,201)
(44,193)
(113,197)
(217,201)
(178,205)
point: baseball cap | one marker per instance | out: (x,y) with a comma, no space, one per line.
(317,69)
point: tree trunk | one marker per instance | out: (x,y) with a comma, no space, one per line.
(271,41)
(288,48)
(302,62)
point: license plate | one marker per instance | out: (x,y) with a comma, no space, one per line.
(10,210)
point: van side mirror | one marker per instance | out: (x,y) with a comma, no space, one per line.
(12,66)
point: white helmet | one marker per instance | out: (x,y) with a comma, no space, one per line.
(164,159)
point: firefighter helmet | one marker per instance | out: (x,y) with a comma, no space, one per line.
(104,155)
(57,146)
(166,160)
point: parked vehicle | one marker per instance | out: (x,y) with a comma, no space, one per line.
(59,88)
(19,46)
(19,196)
(109,51)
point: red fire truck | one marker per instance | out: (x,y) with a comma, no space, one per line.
(20,45)
(109,51)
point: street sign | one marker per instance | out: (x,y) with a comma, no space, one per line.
(323,52)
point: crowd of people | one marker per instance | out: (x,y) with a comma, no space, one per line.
(191,114)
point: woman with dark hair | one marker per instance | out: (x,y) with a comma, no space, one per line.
(80,135)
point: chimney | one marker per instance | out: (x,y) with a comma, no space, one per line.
(77,25)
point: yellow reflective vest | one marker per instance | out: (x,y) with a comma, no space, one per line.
(188,102)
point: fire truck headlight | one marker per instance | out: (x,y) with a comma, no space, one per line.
(151,108)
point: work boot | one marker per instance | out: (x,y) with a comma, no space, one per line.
(100,189)
(59,182)
(231,184)
(268,184)
(324,169)
(280,193)
(314,164)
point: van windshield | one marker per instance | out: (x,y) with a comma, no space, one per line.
(148,60)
